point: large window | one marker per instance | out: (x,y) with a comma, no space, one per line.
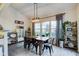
(45,29)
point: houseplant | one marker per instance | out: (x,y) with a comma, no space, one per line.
(61,40)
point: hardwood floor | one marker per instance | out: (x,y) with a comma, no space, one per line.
(18,50)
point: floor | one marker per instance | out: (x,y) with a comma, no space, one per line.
(18,50)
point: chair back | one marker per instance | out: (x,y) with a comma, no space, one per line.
(51,40)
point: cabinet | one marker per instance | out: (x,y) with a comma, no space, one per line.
(71,35)
(74,34)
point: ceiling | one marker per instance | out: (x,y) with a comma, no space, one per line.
(44,9)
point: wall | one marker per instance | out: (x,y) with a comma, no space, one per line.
(70,15)
(78,25)
(7,17)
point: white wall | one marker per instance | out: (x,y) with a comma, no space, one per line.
(70,15)
(78,25)
(9,15)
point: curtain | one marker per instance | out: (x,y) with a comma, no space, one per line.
(59,29)
(33,32)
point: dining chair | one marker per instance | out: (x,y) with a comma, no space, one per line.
(35,44)
(27,42)
(48,45)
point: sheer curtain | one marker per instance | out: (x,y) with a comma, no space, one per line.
(59,28)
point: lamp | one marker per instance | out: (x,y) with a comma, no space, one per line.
(36,18)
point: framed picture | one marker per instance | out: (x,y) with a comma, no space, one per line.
(69,29)
(19,22)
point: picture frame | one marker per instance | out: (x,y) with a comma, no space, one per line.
(19,22)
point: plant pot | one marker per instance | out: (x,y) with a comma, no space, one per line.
(61,44)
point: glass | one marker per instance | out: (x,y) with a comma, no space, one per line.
(53,29)
(37,29)
(45,29)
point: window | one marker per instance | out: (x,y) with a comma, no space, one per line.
(53,29)
(45,29)
(37,29)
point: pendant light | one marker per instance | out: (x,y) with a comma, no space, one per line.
(36,18)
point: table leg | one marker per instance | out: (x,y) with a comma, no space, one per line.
(40,49)
(24,45)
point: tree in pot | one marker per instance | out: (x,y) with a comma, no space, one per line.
(64,30)
(61,42)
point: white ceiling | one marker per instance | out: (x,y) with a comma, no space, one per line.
(44,9)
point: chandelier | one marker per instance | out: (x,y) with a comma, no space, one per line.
(36,18)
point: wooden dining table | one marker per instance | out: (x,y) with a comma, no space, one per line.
(41,40)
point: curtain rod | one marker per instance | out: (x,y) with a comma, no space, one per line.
(51,16)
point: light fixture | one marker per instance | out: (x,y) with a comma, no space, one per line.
(36,18)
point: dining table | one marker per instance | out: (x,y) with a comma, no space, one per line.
(41,40)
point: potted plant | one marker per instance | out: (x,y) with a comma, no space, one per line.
(64,32)
(64,24)
(61,42)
